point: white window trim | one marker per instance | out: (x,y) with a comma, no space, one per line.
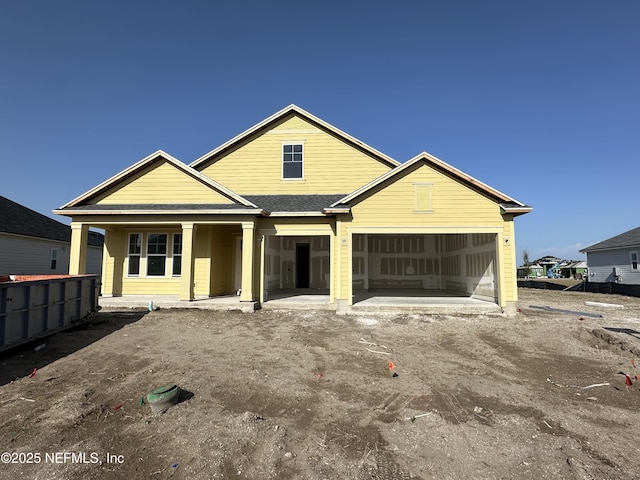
(140,255)
(53,256)
(174,255)
(144,238)
(166,255)
(291,142)
(416,188)
(631,254)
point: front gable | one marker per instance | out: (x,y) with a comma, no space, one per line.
(426,191)
(332,161)
(158,182)
(161,183)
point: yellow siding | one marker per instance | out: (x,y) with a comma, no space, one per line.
(202,260)
(113,262)
(456,208)
(162,183)
(223,256)
(509,265)
(151,286)
(453,204)
(330,165)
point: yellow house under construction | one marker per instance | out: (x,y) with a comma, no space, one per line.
(294,204)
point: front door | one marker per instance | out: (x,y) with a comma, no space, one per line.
(303,262)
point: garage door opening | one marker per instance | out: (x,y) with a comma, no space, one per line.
(421,266)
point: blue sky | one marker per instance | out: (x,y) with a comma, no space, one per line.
(540,100)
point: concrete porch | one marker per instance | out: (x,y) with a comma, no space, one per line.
(223,302)
(382,300)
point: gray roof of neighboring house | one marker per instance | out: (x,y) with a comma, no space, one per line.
(294,203)
(626,239)
(20,220)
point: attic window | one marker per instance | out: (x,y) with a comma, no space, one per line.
(422,197)
(292,154)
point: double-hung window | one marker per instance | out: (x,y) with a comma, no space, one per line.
(54,258)
(292,159)
(634,260)
(156,254)
(177,254)
(134,253)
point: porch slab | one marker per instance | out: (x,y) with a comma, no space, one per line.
(426,305)
(302,299)
(223,302)
(417,300)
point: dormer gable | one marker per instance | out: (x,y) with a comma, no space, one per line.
(294,152)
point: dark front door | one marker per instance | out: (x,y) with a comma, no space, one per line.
(303,261)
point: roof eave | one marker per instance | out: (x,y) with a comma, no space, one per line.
(590,249)
(515,211)
(244,211)
(336,210)
(296,214)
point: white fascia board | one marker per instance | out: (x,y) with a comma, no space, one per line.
(73,213)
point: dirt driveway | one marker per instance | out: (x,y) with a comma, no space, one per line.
(312,395)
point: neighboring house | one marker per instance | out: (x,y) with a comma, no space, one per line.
(615,259)
(574,269)
(530,271)
(34,244)
(294,204)
(547,263)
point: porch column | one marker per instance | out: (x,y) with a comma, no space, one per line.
(186,276)
(78,253)
(248,240)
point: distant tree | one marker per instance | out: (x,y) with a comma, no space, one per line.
(525,257)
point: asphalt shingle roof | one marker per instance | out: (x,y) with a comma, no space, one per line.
(158,206)
(626,239)
(20,220)
(294,203)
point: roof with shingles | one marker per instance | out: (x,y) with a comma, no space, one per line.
(136,207)
(294,203)
(266,203)
(20,220)
(626,239)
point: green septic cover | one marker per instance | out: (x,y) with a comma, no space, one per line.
(162,393)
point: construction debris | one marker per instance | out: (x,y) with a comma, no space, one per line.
(570,312)
(605,305)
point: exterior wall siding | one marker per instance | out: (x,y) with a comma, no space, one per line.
(330,165)
(94,260)
(21,255)
(455,209)
(453,204)
(162,183)
(113,261)
(151,286)
(602,264)
(223,258)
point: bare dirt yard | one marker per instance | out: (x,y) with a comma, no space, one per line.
(313,395)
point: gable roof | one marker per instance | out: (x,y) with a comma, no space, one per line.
(20,220)
(624,240)
(159,155)
(293,109)
(507,203)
